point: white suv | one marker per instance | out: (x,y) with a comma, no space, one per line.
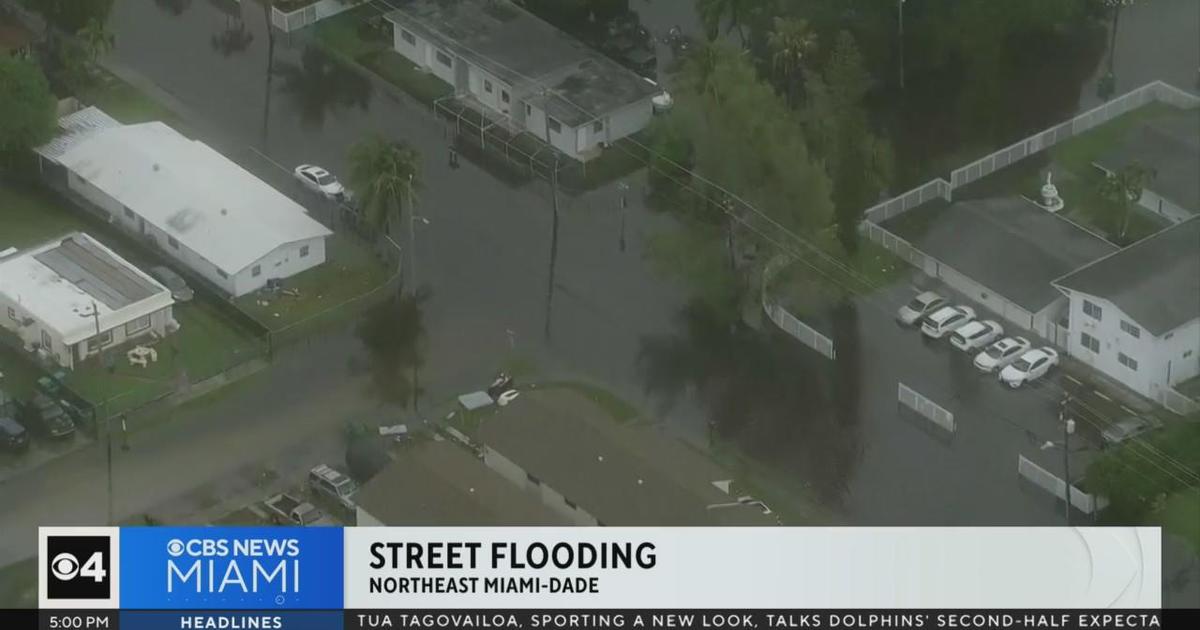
(333,484)
(946,319)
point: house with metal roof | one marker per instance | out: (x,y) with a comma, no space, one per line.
(524,72)
(1135,314)
(564,448)
(72,297)
(184,198)
(440,482)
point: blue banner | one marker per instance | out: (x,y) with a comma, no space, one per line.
(231,568)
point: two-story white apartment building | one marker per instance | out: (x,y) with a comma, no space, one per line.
(1135,314)
(192,203)
(72,297)
(524,72)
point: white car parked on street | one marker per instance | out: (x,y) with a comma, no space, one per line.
(976,334)
(1031,366)
(320,181)
(910,314)
(946,319)
(1001,353)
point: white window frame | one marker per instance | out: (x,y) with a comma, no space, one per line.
(99,342)
(408,37)
(136,326)
(1086,340)
(553,125)
(1131,329)
(444,58)
(1089,306)
(303,251)
(1127,361)
(256,271)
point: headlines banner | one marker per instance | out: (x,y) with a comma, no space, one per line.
(240,578)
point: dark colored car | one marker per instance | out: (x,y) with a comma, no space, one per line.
(45,415)
(13,436)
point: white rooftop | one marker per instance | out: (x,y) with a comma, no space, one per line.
(60,281)
(184,188)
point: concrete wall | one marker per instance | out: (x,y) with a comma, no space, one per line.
(283,262)
(477,83)
(550,498)
(364,518)
(1161,361)
(424,55)
(1161,206)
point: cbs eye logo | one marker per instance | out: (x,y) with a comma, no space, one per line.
(78,567)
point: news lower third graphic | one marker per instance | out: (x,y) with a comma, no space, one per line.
(251,578)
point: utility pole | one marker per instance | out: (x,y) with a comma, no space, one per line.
(624,188)
(553,246)
(1068,428)
(900,11)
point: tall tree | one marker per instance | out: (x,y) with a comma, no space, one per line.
(384,175)
(72,15)
(95,39)
(714,13)
(1122,190)
(26,107)
(792,43)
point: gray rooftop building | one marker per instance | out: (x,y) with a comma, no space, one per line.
(523,72)
(1169,146)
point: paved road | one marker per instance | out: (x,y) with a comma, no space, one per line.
(486,259)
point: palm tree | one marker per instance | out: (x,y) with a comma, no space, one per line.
(1123,189)
(714,12)
(791,43)
(384,175)
(96,39)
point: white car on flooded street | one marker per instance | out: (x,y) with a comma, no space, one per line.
(1001,353)
(1030,367)
(945,320)
(976,334)
(320,181)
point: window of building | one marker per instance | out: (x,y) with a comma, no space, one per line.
(1089,342)
(128,213)
(303,251)
(256,271)
(1133,331)
(137,325)
(528,109)
(554,125)
(46,341)
(1091,310)
(598,126)
(12,313)
(221,272)
(99,341)
(487,86)
(172,242)
(445,59)
(1127,361)
(504,95)
(408,37)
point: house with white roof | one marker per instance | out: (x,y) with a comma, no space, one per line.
(192,203)
(72,297)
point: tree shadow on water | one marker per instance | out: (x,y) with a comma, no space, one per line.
(393,333)
(321,85)
(779,402)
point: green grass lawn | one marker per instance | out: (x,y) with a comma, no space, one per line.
(18,584)
(125,102)
(1180,515)
(30,216)
(350,270)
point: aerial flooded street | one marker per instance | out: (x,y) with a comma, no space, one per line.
(564,289)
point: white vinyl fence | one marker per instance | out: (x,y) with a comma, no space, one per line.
(1044,479)
(1178,403)
(927,408)
(802,332)
(311,14)
(909,200)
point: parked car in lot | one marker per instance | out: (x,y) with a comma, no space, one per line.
(13,437)
(286,509)
(924,303)
(180,291)
(1127,429)
(44,415)
(330,482)
(976,334)
(1030,367)
(1001,353)
(945,320)
(320,181)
